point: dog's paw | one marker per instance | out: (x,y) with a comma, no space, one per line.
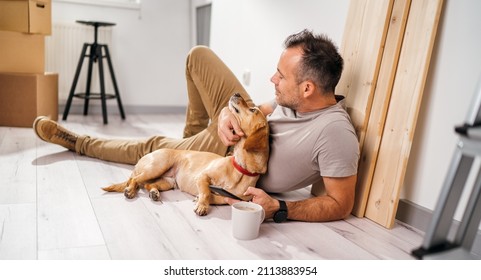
(154,194)
(129,193)
(201,209)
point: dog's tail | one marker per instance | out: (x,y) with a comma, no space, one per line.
(116,187)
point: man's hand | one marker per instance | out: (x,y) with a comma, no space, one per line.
(270,205)
(228,128)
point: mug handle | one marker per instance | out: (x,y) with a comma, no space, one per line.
(263,216)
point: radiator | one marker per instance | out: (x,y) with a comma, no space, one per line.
(62,53)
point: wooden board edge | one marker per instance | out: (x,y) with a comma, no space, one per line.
(380,104)
(389,174)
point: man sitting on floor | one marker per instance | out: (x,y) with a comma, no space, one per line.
(311,136)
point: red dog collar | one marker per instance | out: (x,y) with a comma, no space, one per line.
(242,169)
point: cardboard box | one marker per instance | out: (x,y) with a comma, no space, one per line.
(23,97)
(22,53)
(27,16)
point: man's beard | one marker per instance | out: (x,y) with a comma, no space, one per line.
(292,103)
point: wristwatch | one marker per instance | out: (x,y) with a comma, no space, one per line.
(281,214)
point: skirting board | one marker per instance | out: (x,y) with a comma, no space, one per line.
(96,109)
(420,218)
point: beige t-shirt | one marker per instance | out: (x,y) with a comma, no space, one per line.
(306,146)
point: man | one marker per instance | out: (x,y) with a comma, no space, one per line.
(312,138)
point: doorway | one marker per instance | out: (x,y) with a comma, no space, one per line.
(201,11)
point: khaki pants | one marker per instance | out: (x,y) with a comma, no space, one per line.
(210,84)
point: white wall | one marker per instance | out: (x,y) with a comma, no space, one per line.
(454,73)
(148,50)
(249,34)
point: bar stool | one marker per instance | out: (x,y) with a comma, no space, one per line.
(95,55)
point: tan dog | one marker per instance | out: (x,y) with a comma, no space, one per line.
(194,171)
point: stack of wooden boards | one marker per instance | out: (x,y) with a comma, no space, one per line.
(386,48)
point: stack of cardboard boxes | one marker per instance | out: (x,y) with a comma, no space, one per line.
(26,91)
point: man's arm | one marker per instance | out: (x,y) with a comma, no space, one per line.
(336,204)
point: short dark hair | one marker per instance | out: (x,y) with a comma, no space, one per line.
(321,62)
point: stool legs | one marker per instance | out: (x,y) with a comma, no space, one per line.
(92,58)
(102,87)
(95,56)
(114,81)
(74,83)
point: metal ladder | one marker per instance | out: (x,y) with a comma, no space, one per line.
(436,243)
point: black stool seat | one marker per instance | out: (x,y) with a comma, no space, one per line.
(96,55)
(95,23)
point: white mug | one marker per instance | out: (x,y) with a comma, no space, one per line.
(246,219)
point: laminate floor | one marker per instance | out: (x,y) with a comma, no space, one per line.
(52,207)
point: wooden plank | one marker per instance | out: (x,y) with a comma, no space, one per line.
(130,231)
(402,238)
(18,215)
(380,104)
(297,241)
(79,253)
(361,49)
(381,246)
(403,111)
(65,217)
(17,149)
(18,231)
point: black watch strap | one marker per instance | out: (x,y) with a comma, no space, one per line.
(281,214)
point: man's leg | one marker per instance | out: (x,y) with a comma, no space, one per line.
(130,151)
(125,151)
(210,84)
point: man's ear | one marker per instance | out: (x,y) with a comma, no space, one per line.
(257,142)
(308,88)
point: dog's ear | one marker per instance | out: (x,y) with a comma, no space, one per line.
(257,141)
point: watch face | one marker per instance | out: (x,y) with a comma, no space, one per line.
(280,216)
